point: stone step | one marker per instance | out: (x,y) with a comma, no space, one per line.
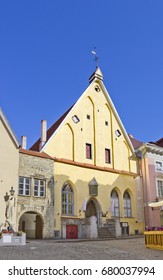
(106,232)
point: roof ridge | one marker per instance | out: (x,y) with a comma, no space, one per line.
(35,153)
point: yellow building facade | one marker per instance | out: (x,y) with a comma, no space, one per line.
(97,191)
(9,163)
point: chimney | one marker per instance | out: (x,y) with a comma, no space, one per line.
(43,133)
(24,142)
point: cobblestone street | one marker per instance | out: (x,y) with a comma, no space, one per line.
(118,249)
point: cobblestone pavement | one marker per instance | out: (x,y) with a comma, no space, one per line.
(119,249)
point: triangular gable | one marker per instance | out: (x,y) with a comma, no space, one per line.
(98,78)
(9,129)
(115,114)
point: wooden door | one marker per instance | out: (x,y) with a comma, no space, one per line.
(91,209)
(23,226)
(71,231)
(38,232)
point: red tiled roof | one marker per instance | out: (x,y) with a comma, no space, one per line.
(159,142)
(136,143)
(92,166)
(51,130)
(34,153)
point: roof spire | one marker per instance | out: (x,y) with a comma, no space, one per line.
(96,75)
(96,58)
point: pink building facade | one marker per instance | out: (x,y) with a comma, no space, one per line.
(151,169)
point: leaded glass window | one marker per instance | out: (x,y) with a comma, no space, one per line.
(115,204)
(67,200)
(127,205)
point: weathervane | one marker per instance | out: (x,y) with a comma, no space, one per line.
(96,58)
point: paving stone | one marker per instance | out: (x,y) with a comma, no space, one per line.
(118,249)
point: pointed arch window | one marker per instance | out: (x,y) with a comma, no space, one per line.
(127,205)
(67,200)
(115,204)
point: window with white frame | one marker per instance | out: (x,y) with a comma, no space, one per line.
(127,205)
(39,188)
(24,186)
(160,188)
(67,200)
(158,165)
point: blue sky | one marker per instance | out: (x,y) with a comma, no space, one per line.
(46,60)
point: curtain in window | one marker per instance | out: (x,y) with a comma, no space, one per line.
(127,205)
(67,200)
(115,204)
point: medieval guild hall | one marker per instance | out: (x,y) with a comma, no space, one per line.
(85,177)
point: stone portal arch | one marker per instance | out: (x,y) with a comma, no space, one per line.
(91,209)
(31,223)
(94,209)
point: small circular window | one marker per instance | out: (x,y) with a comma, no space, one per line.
(97,88)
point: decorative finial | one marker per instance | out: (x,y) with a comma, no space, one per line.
(96,58)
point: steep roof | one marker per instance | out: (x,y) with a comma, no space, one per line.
(136,143)
(51,130)
(34,153)
(159,142)
(9,129)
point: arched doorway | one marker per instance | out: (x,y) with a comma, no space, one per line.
(91,209)
(94,209)
(94,214)
(32,224)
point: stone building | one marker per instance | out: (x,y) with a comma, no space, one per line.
(35,199)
